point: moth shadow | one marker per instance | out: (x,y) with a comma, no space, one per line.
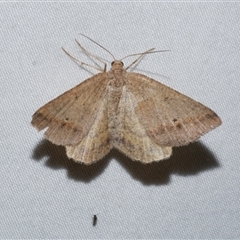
(187,160)
(57,159)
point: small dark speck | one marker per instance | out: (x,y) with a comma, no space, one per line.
(94,220)
(66,119)
(179,126)
(208,116)
(39,115)
(166,98)
(174,120)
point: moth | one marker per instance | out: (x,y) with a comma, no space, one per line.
(129,111)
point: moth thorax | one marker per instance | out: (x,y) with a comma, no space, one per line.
(114,95)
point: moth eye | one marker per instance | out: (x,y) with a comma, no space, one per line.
(122,63)
(112,63)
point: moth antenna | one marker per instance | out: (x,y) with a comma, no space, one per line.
(98,45)
(80,63)
(92,55)
(142,55)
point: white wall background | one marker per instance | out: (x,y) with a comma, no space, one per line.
(194,194)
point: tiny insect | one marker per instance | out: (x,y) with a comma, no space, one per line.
(94,223)
(129,111)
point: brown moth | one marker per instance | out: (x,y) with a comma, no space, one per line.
(128,111)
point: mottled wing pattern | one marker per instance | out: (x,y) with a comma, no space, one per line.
(131,137)
(169,117)
(69,117)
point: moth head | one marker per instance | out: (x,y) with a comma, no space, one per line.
(117,63)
